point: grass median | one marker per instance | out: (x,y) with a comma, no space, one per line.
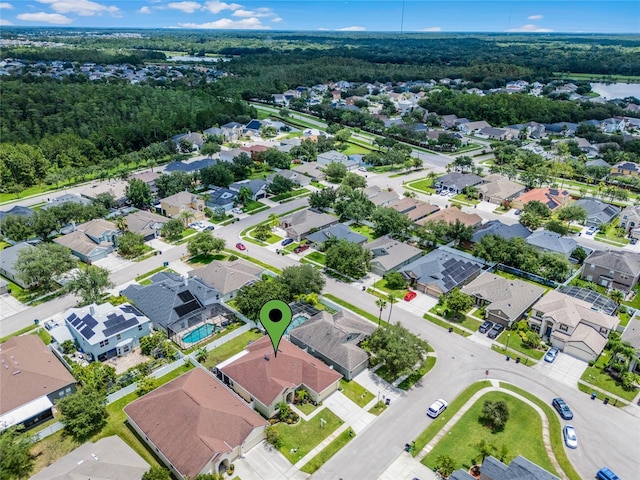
(329,451)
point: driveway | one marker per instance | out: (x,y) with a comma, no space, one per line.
(114,263)
(10,306)
(263,462)
(565,369)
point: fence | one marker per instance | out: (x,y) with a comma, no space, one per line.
(527,275)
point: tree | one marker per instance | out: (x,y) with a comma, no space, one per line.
(335,172)
(185,216)
(273,436)
(395,281)
(348,258)
(531,221)
(209,149)
(219,175)
(557,226)
(280,185)
(458,302)
(302,280)
(172,230)
(170,184)
(245,196)
(399,349)
(146,385)
(389,221)
(353,180)
(617,296)
(204,243)
(43,222)
(503,454)
(121,224)
(241,166)
(39,265)
(16,460)
(276,159)
(445,465)
(251,298)
(531,339)
(130,245)
(495,414)
(459,232)
(83,413)
(16,228)
(391,298)
(157,473)
(106,200)
(484,448)
(96,376)
(381,304)
(262,231)
(573,213)
(139,193)
(343,135)
(68,347)
(353,205)
(579,254)
(90,283)
(273,220)
(322,199)
(201,355)
(537,208)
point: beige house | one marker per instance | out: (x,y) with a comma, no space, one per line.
(300,224)
(311,170)
(617,270)
(496,189)
(572,325)
(228,277)
(175,205)
(414,209)
(451,215)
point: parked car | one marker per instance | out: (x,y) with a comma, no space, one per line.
(485,327)
(518,211)
(634,241)
(591,230)
(443,193)
(240,246)
(495,331)
(362,169)
(286,241)
(606,474)
(236,210)
(437,408)
(569,434)
(209,228)
(410,296)
(551,355)
(301,248)
(562,408)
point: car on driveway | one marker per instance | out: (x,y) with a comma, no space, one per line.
(209,228)
(362,169)
(495,331)
(569,434)
(551,355)
(591,230)
(634,241)
(240,246)
(437,408)
(410,296)
(485,327)
(563,409)
(517,212)
(286,242)
(236,210)
(444,193)
(301,248)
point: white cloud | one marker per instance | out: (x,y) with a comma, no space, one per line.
(5,22)
(353,28)
(84,8)
(216,6)
(227,23)
(186,7)
(42,17)
(535,17)
(432,29)
(277,19)
(6,5)
(530,28)
(258,12)
(144,9)
(323,29)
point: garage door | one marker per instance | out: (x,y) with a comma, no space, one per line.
(579,350)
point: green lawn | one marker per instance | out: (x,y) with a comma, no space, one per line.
(306,435)
(253,260)
(424,185)
(353,308)
(230,348)
(317,257)
(461,319)
(365,230)
(411,380)
(44,336)
(445,324)
(515,343)
(205,259)
(612,235)
(436,425)
(306,408)
(635,303)
(378,408)
(292,193)
(252,206)
(329,451)
(353,149)
(600,379)
(522,435)
(384,373)
(382,285)
(468,148)
(356,392)
(462,198)
(600,395)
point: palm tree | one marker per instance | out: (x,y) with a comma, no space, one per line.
(381,304)
(121,224)
(186,215)
(392,299)
(273,220)
(617,296)
(432,176)
(484,449)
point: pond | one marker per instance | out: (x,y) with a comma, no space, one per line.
(616,90)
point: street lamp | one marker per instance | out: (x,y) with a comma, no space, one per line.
(508,335)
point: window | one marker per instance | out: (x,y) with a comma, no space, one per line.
(118,337)
(534,327)
(104,343)
(563,327)
(603,330)
(592,266)
(67,390)
(139,327)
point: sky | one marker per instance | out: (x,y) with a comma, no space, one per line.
(593,16)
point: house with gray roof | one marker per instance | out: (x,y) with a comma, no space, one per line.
(496,227)
(631,335)
(302,223)
(381,197)
(17,210)
(519,469)
(92,240)
(333,156)
(389,255)
(496,189)
(339,231)
(545,241)
(442,270)
(232,131)
(335,339)
(612,269)
(457,182)
(597,212)
(258,188)
(311,170)
(504,300)
(229,155)
(66,198)
(630,218)
(297,178)
(195,139)
(8,259)
(145,223)
(229,277)
(220,197)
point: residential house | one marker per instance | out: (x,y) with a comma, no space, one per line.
(17,210)
(614,125)
(300,224)
(213,428)
(519,469)
(332,156)
(497,133)
(414,209)
(149,178)
(562,128)
(335,339)
(104,331)
(253,127)
(339,231)
(311,170)
(4,286)
(535,130)
(229,277)
(631,335)
(279,99)
(626,168)
(228,155)
(471,128)
(194,139)
(551,197)
(504,300)
(258,188)
(546,241)
(390,255)
(612,269)
(265,379)
(190,166)
(629,218)
(116,188)
(453,214)
(441,270)
(232,131)
(31,380)
(596,163)
(597,212)
(66,198)
(178,203)
(254,151)
(220,197)
(213,131)
(572,325)
(497,189)
(586,147)
(145,223)
(91,241)
(381,197)
(496,227)
(448,121)
(109,457)
(8,260)
(297,178)
(288,143)
(457,182)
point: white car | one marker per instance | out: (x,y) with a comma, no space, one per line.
(236,210)
(362,169)
(570,438)
(437,408)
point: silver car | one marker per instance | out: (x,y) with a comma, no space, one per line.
(569,434)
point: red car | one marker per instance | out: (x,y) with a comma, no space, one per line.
(240,246)
(410,295)
(300,248)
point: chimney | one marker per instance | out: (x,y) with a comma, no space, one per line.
(185,281)
(92,310)
(73,225)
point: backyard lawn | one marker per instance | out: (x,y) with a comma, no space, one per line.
(230,348)
(365,230)
(356,392)
(522,435)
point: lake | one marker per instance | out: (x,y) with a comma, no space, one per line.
(616,90)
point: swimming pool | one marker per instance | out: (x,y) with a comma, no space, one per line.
(200,333)
(296,322)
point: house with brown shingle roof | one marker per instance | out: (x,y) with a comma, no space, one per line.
(174,205)
(300,224)
(31,380)
(91,241)
(145,223)
(195,424)
(266,379)
(413,208)
(229,277)
(496,189)
(451,215)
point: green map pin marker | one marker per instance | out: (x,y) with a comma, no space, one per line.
(275,316)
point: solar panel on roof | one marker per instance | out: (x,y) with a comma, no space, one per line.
(121,326)
(188,307)
(71,317)
(89,320)
(87,332)
(113,321)
(185,296)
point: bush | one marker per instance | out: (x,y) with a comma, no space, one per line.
(395,281)
(273,436)
(495,414)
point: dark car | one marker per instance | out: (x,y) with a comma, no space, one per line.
(606,474)
(286,242)
(495,331)
(518,212)
(300,248)
(562,408)
(485,327)
(209,228)
(634,241)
